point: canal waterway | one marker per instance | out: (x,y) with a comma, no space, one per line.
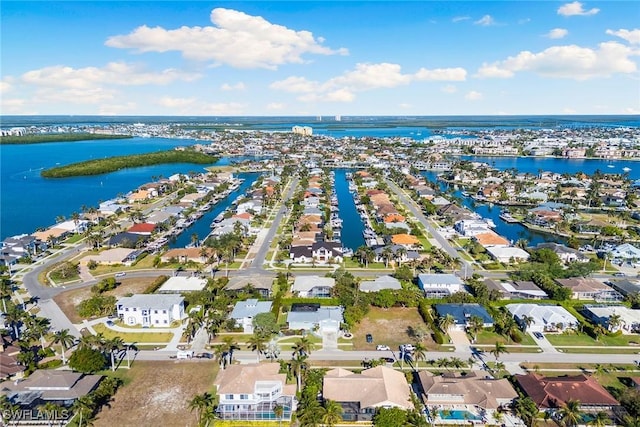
(202,226)
(352,226)
(511,231)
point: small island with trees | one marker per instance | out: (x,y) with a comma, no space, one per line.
(57,137)
(112,164)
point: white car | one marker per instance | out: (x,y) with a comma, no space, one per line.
(120,274)
(381,347)
(408,347)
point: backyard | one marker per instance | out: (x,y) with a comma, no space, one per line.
(70,299)
(390,327)
(157,393)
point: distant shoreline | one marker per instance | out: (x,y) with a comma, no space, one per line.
(56,137)
(113,164)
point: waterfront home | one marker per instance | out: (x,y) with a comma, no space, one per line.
(112,256)
(491,238)
(585,288)
(627,319)
(182,284)
(250,392)
(543,217)
(542,317)
(472,227)
(244,312)
(565,253)
(128,240)
(314,317)
(325,252)
(184,255)
(143,228)
(313,286)
(140,196)
(360,395)
(440,285)
(552,393)
(625,252)
(626,287)
(409,241)
(19,246)
(508,254)
(462,314)
(398,253)
(473,394)
(150,309)
(516,289)
(380,283)
(44,386)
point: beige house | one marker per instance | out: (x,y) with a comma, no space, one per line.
(473,395)
(361,394)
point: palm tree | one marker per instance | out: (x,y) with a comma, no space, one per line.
(598,331)
(331,413)
(298,364)
(113,345)
(445,322)
(278,412)
(200,402)
(84,406)
(498,350)
(303,347)
(476,324)
(614,321)
(570,413)
(601,419)
(65,339)
(50,411)
(14,316)
(419,352)
(526,322)
(258,344)
(229,345)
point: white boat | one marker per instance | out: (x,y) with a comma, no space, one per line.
(626,169)
(610,166)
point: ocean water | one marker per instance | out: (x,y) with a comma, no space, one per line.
(28,201)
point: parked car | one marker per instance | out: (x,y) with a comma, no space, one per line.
(120,274)
(538,335)
(619,274)
(382,347)
(388,359)
(109,323)
(407,347)
(369,338)
(204,356)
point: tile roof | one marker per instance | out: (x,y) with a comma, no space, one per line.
(553,392)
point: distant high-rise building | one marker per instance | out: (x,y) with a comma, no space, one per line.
(338,118)
(302,130)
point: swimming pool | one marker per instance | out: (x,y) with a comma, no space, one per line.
(458,414)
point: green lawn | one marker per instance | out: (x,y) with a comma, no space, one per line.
(562,340)
(489,337)
(135,337)
(598,350)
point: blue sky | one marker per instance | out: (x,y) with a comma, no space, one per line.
(320,58)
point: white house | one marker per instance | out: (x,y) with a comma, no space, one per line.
(313,286)
(628,319)
(507,254)
(380,283)
(440,285)
(544,318)
(244,312)
(312,316)
(151,309)
(625,251)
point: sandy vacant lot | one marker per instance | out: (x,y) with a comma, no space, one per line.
(159,393)
(389,327)
(70,299)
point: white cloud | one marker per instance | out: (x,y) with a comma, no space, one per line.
(449,89)
(114,73)
(12,105)
(193,106)
(460,19)
(117,109)
(557,33)
(573,62)
(485,21)
(5,86)
(405,106)
(524,21)
(632,36)
(237,86)
(235,39)
(631,110)
(73,95)
(364,77)
(575,8)
(568,110)
(275,106)
(473,96)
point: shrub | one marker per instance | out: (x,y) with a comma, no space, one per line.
(155,285)
(51,364)
(87,360)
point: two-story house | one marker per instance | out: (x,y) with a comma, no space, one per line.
(150,309)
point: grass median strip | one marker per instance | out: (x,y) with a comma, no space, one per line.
(135,337)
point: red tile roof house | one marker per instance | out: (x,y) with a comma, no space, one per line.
(142,228)
(550,393)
